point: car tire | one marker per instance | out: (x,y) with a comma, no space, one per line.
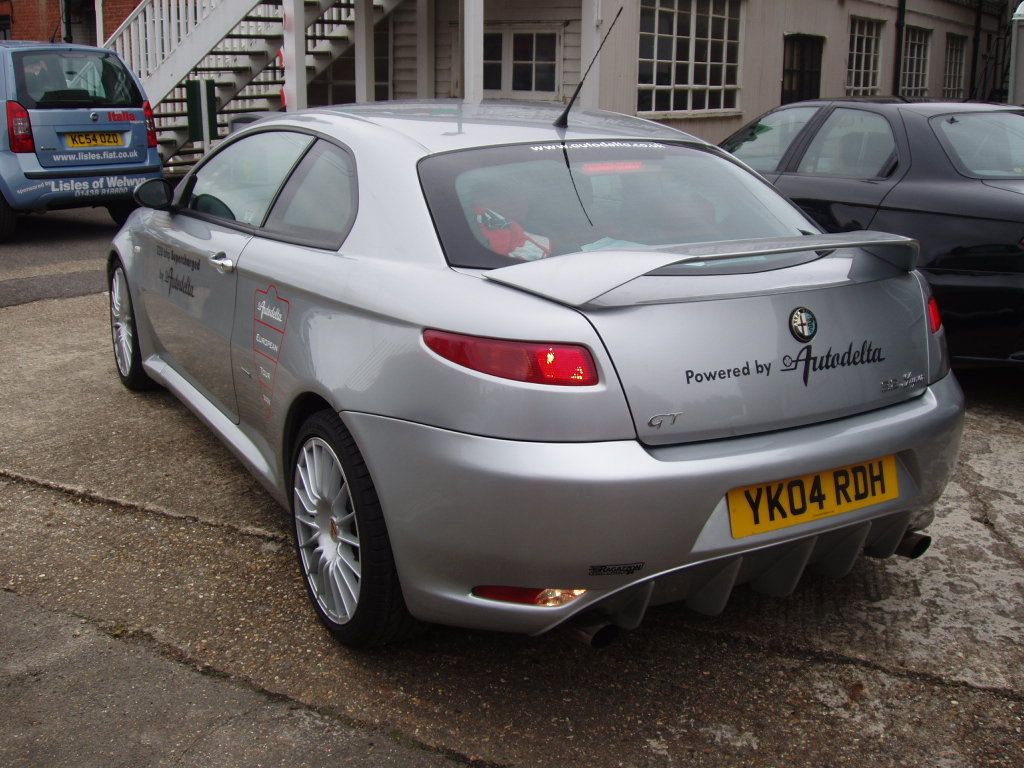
(8,220)
(124,334)
(341,539)
(120,212)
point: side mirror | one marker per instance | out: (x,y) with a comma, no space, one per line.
(155,193)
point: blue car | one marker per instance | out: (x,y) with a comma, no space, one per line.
(78,131)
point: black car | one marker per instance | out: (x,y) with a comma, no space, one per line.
(949,174)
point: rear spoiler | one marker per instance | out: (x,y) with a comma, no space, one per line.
(577,279)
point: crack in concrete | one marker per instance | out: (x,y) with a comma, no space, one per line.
(124,506)
(982,494)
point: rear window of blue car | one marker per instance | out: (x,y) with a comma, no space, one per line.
(496,206)
(63,79)
(987,145)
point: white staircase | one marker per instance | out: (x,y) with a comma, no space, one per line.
(233,42)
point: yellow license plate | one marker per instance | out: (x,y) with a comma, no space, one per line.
(104,139)
(784,503)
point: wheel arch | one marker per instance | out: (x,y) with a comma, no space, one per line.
(302,407)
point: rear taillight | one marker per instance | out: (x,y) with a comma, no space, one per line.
(934,318)
(19,128)
(147,110)
(567,365)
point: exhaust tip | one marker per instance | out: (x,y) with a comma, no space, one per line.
(913,545)
(598,635)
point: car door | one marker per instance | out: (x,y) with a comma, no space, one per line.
(188,288)
(288,280)
(765,143)
(852,162)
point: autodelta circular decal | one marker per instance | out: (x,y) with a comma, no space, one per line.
(803,324)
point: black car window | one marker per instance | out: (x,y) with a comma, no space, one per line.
(318,204)
(989,145)
(851,143)
(240,182)
(58,79)
(762,145)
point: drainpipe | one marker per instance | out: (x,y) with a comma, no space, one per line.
(976,51)
(897,70)
(1015,92)
(65,20)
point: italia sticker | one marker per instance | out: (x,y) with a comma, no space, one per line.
(270,322)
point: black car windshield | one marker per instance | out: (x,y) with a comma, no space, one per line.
(61,79)
(989,145)
(500,205)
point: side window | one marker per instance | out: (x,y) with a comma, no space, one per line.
(240,182)
(318,204)
(851,143)
(762,145)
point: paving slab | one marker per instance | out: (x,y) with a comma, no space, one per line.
(76,696)
(77,426)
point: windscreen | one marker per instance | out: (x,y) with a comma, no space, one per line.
(989,145)
(501,205)
(61,79)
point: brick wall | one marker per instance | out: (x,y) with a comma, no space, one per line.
(116,11)
(36,19)
(32,19)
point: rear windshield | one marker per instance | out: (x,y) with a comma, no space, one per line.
(989,145)
(58,79)
(500,205)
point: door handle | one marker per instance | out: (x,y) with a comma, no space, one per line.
(221,262)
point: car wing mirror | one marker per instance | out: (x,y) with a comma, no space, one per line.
(155,193)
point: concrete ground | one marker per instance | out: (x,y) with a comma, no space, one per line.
(152,611)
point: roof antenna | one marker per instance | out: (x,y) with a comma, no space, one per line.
(563,119)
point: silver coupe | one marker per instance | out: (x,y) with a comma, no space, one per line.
(506,375)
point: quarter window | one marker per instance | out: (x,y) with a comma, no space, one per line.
(953,78)
(689,55)
(865,55)
(762,145)
(318,204)
(914,74)
(241,181)
(520,63)
(852,143)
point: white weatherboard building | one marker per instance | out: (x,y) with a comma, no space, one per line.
(707,66)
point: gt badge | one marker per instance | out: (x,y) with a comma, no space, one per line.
(803,324)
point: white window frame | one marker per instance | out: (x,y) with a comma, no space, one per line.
(507,30)
(917,51)
(864,66)
(953,76)
(689,86)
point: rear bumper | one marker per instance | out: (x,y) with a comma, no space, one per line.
(464,510)
(28,187)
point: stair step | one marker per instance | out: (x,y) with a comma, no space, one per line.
(223,68)
(253,35)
